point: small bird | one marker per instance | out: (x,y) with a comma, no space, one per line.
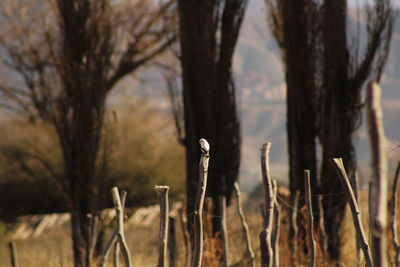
(205,146)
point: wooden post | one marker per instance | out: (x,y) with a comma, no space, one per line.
(355,186)
(198,212)
(310,222)
(186,237)
(265,235)
(162,193)
(118,235)
(277,225)
(224,230)
(323,236)
(355,211)
(172,242)
(294,229)
(13,254)
(245,226)
(393,216)
(379,163)
(117,250)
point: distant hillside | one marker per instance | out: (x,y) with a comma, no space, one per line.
(259,75)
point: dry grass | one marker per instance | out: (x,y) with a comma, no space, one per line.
(54,247)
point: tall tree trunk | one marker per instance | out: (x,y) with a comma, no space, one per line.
(209,94)
(338,117)
(301,98)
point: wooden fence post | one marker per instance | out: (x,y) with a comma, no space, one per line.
(198,212)
(245,226)
(224,230)
(393,216)
(277,225)
(118,235)
(162,193)
(355,211)
(186,237)
(310,222)
(379,163)
(355,186)
(265,235)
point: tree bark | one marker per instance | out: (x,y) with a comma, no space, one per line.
(209,95)
(337,126)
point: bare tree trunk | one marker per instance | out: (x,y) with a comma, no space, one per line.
(322,232)
(379,182)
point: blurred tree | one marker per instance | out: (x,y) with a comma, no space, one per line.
(330,73)
(66,56)
(208,35)
(30,160)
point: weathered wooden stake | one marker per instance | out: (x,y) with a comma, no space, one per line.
(224,230)
(265,235)
(379,163)
(393,216)
(310,222)
(277,225)
(355,211)
(198,212)
(245,226)
(322,232)
(118,235)
(186,237)
(162,193)
(13,254)
(294,230)
(355,186)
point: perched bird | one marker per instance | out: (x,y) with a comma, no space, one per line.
(205,146)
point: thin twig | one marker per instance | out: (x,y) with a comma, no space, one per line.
(245,226)
(393,216)
(198,212)
(355,211)
(310,222)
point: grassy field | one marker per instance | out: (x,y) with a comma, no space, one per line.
(53,248)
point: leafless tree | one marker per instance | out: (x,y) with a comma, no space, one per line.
(325,75)
(64,57)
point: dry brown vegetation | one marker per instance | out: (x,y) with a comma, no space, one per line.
(53,248)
